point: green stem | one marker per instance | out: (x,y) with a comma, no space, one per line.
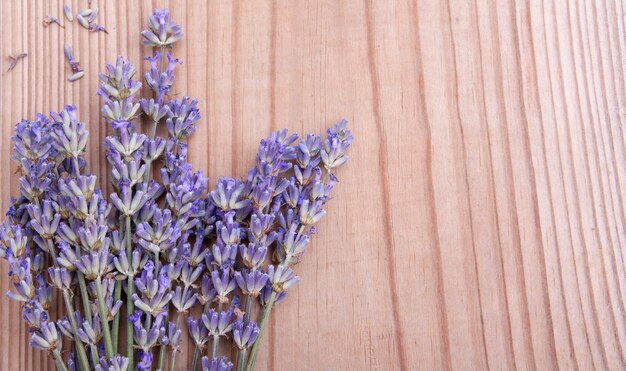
(196,355)
(262,326)
(84,295)
(264,315)
(108,344)
(59,360)
(161,357)
(173,361)
(246,315)
(116,320)
(216,338)
(173,365)
(241,359)
(130,306)
(80,347)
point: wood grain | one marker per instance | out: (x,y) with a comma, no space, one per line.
(480,221)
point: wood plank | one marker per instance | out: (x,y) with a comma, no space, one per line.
(480,221)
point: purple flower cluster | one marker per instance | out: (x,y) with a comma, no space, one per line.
(162,242)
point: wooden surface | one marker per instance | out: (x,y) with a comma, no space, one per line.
(480,221)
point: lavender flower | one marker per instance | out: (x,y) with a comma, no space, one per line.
(216,364)
(162,31)
(198,332)
(251,283)
(117,363)
(47,338)
(245,333)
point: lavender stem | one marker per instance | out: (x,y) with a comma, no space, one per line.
(116,320)
(130,306)
(80,348)
(59,360)
(262,326)
(108,344)
(241,359)
(173,361)
(196,355)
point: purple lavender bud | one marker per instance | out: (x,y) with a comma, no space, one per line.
(34,315)
(223,256)
(154,110)
(117,82)
(47,338)
(44,293)
(183,300)
(93,236)
(22,280)
(182,117)
(252,255)
(161,234)
(294,242)
(171,336)
(245,333)
(95,264)
(126,267)
(43,219)
(281,277)
(273,154)
(117,363)
(90,332)
(189,275)
(216,364)
(218,324)
(227,194)
(308,151)
(197,331)
(69,136)
(67,257)
(337,142)
(155,293)
(153,149)
(145,361)
(162,31)
(260,225)
(14,241)
(251,282)
(132,172)
(311,213)
(160,82)
(223,285)
(266,293)
(60,278)
(207,291)
(146,339)
(127,146)
(129,204)
(66,328)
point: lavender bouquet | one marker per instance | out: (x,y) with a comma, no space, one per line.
(162,243)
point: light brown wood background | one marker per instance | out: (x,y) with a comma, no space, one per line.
(480,221)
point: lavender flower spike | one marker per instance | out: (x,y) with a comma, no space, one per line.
(162,31)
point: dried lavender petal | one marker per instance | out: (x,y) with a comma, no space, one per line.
(67,10)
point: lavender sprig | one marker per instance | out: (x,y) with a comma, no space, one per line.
(172,242)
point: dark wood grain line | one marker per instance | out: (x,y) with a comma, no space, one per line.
(594,142)
(384,176)
(507,330)
(454,112)
(441,309)
(605,106)
(558,142)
